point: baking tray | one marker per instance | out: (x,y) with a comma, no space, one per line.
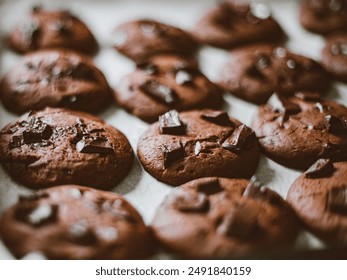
(142,190)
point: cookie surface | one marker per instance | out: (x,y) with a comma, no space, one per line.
(324,16)
(194,144)
(44,29)
(142,39)
(55,78)
(165,83)
(297,131)
(233,23)
(255,72)
(74,222)
(334,56)
(213,218)
(59,146)
(319,199)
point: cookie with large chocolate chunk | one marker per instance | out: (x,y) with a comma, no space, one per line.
(213,218)
(255,72)
(46,29)
(232,23)
(320,201)
(334,56)
(299,130)
(194,144)
(73,222)
(145,38)
(59,146)
(55,78)
(165,83)
(324,16)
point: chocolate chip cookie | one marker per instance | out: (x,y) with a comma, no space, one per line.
(255,72)
(55,78)
(324,16)
(142,39)
(213,218)
(334,56)
(299,130)
(194,144)
(59,146)
(74,222)
(319,197)
(46,29)
(233,23)
(164,83)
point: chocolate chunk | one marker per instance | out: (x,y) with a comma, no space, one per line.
(149,68)
(31,31)
(170,123)
(308,96)
(283,106)
(257,191)
(242,138)
(335,125)
(210,187)
(183,78)
(37,131)
(320,169)
(172,152)
(238,223)
(159,91)
(16,142)
(320,107)
(254,72)
(38,216)
(337,200)
(81,234)
(190,202)
(263,62)
(217,117)
(94,145)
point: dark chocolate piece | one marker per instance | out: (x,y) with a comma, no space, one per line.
(210,187)
(335,125)
(321,168)
(242,138)
(183,78)
(97,145)
(37,131)
(308,96)
(283,106)
(217,117)
(170,123)
(337,200)
(41,215)
(159,91)
(16,142)
(191,202)
(172,152)
(257,191)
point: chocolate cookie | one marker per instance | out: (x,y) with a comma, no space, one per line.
(255,72)
(142,39)
(297,131)
(44,29)
(324,16)
(194,144)
(58,146)
(73,222)
(213,218)
(334,56)
(55,78)
(165,83)
(233,23)
(319,196)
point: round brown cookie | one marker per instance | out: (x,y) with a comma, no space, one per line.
(319,197)
(58,146)
(334,56)
(324,16)
(213,218)
(144,38)
(233,23)
(194,144)
(74,222)
(297,131)
(165,83)
(255,72)
(55,78)
(44,29)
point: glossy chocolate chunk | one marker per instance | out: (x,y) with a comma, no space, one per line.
(308,96)
(335,124)
(281,105)
(191,202)
(82,234)
(170,123)
(337,199)
(159,91)
(242,138)
(257,191)
(210,187)
(94,145)
(37,131)
(217,117)
(321,168)
(183,78)
(16,142)
(41,215)
(238,223)
(172,152)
